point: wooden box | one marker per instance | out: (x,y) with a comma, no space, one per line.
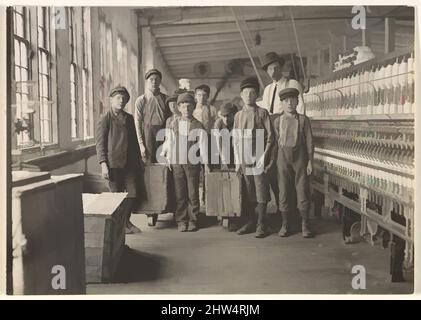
(223,194)
(155,195)
(105,218)
(47,222)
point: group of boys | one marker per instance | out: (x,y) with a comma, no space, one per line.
(284,165)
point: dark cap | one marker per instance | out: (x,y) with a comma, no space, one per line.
(203,87)
(228,108)
(122,90)
(250,82)
(151,72)
(185,97)
(271,57)
(172,98)
(288,92)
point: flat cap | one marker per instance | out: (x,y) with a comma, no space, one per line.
(122,90)
(271,57)
(171,98)
(151,72)
(185,97)
(250,82)
(203,87)
(288,92)
(228,108)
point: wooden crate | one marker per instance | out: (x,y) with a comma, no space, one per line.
(223,194)
(155,190)
(105,218)
(47,220)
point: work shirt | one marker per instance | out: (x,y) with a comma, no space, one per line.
(293,135)
(274,88)
(150,111)
(252,118)
(207,115)
(185,130)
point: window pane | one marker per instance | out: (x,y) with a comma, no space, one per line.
(72,73)
(24,56)
(24,85)
(18,105)
(72,92)
(40,14)
(39,61)
(17,76)
(45,88)
(19,26)
(40,37)
(44,63)
(19,9)
(17,52)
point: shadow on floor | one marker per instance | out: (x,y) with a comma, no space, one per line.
(138,266)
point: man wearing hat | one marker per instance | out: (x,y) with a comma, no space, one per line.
(117,148)
(151,114)
(294,159)
(223,126)
(251,165)
(273,65)
(185,172)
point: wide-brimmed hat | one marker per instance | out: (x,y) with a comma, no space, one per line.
(271,57)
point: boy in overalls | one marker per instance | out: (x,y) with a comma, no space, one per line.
(294,160)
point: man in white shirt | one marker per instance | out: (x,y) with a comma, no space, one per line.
(273,65)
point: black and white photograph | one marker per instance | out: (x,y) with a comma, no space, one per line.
(204,150)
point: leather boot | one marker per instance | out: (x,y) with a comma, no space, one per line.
(250,226)
(305,227)
(261,219)
(284,232)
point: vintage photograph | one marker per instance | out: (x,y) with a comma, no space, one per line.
(210,150)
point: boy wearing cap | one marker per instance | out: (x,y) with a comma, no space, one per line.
(294,159)
(151,114)
(117,148)
(223,127)
(171,102)
(207,115)
(246,123)
(204,112)
(186,173)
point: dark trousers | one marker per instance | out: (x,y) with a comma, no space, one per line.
(186,183)
(292,177)
(273,182)
(123,180)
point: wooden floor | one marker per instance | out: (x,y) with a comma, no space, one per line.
(162,260)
